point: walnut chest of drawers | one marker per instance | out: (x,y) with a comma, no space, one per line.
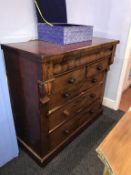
(56,91)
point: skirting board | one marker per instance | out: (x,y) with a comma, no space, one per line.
(110,103)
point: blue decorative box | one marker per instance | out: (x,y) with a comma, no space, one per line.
(64,33)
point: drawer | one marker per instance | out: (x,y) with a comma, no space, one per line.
(71,61)
(72,109)
(68,81)
(66,130)
(97,67)
(90,112)
(65,94)
(63,132)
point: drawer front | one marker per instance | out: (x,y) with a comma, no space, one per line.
(90,112)
(64,131)
(97,67)
(68,81)
(64,94)
(72,109)
(69,62)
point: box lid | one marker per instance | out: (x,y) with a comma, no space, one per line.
(53,11)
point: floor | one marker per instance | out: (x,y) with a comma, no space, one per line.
(126,100)
(78,158)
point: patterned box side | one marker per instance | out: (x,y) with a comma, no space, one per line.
(64,34)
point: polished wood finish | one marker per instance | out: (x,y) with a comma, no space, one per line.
(115,149)
(56,91)
(74,108)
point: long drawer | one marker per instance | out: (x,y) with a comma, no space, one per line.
(75,107)
(71,61)
(67,129)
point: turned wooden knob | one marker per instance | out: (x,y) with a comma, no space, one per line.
(66,112)
(66,131)
(91,111)
(66,95)
(71,80)
(99,67)
(92,95)
(94,80)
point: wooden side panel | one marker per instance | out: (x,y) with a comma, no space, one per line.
(22,75)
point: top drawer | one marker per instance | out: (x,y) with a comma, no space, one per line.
(97,67)
(69,61)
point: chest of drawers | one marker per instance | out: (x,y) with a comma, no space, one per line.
(56,91)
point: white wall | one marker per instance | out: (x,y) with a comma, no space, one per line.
(119,25)
(8,144)
(110,19)
(92,12)
(17,21)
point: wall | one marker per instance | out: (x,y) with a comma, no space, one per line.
(17,23)
(119,25)
(110,19)
(90,12)
(8,144)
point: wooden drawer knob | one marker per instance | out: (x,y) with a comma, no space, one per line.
(91,111)
(80,110)
(71,80)
(66,95)
(66,131)
(99,67)
(92,95)
(66,113)
(94,80)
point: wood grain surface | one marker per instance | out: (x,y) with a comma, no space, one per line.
(116,147)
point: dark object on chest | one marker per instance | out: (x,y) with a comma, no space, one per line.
(54,11)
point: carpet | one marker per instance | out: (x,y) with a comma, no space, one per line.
(78,158)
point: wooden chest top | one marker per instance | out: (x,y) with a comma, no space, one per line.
(43,50)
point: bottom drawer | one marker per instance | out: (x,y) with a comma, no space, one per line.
(66,130)
(90,112)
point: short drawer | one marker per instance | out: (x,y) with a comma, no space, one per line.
(75,107)
(97,67)
(65,94)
